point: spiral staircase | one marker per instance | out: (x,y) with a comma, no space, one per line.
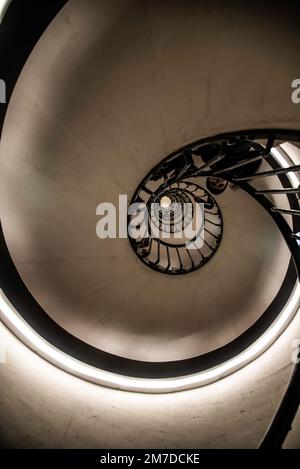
(56,161)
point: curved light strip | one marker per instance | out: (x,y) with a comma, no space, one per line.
(105,378)
(4,4)
(25,333)
(284,164)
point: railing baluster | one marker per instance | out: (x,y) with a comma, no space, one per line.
(279,191)
(205,242)
(158,253)
(214,160)
(288,211)
(179,258)
(274,172)
(148,191)
(212,223)
(238,165)
(191,259)
(169,260)
(270,144)
(209,232)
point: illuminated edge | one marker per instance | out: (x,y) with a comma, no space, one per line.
(14,321)
(26,334)
(4,4)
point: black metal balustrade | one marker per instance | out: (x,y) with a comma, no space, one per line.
(233,161)
(167,248)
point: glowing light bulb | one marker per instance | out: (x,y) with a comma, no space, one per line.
(165,202)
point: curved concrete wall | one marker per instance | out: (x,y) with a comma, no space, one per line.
(120,84)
